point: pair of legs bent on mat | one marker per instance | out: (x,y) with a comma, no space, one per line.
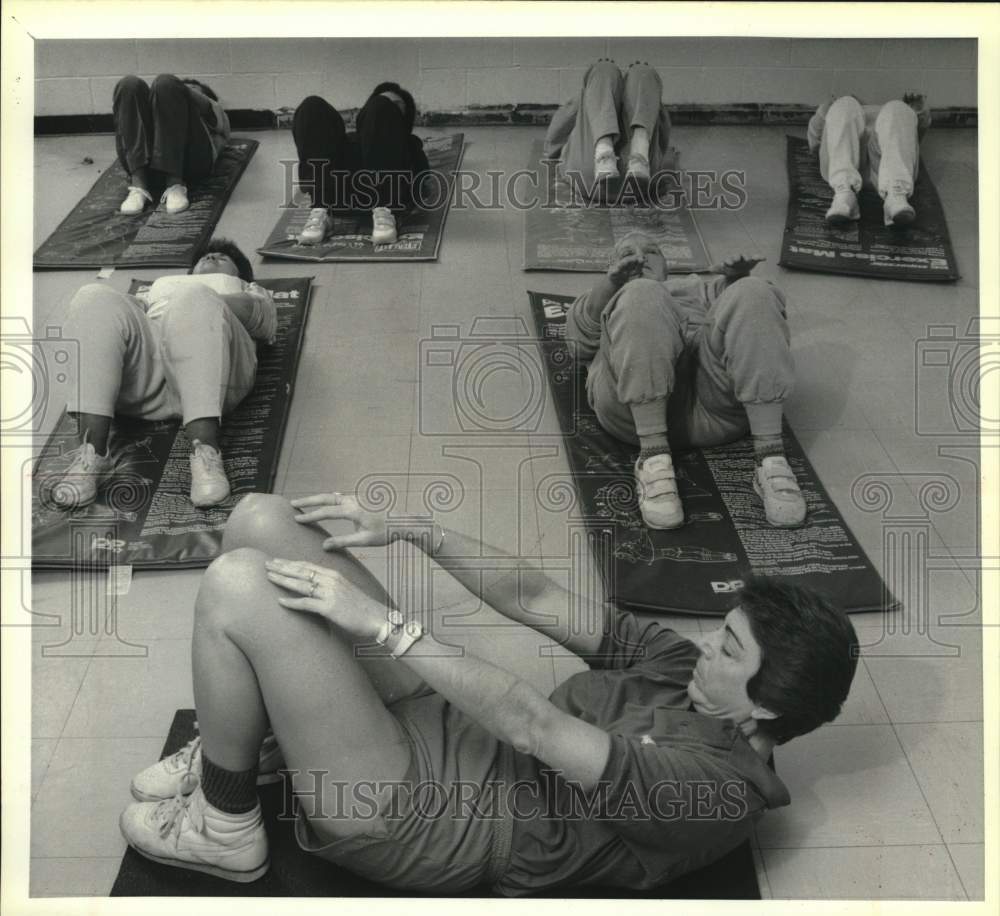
(168,133)
(614,115)
(374,168)
(873,145)
(688,364)
(191,354)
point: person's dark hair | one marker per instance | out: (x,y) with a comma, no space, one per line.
(203,88)
(809,652)
(410,114)
(231,250)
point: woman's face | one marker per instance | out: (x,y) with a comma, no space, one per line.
(654,264)
(730,656)
(216,263)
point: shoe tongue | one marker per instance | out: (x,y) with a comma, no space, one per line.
(774,461)
(658,461)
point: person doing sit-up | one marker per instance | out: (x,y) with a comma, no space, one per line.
(874,145)
(377,167)
(688,363)
(186,349)
(424,763)
(166,134)
(613,115)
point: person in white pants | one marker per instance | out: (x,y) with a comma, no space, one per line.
(186,349)
(877,144)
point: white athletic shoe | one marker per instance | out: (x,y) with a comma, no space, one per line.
(383,226)
(187,832)
(136,201)
(209,484)
(314,231)
(180,773)
(83,478)
(605,166)
(844,208)
(775,483)
(897,210)
(659,502)
(176,198)
(638,167)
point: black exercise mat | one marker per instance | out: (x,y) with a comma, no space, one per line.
(143,517)
(866,248)
(97,234)
(694,569)
(349,238)
(560,233)
(294,873)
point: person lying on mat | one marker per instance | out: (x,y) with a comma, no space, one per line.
(424,766)
(167,134)
(373,168)
(688,363)
(877,145)
(184,349)
(613,115)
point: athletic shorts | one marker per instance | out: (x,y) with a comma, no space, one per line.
(446,826)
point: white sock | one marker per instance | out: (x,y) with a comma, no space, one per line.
(639,145)
(604,145)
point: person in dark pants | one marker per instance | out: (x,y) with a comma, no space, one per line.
(375,167)
(170,132)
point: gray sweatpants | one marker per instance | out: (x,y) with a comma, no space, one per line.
(705,375)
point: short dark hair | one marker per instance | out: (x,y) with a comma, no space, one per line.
(203,88)
(809,653)
(410,112)
(231,250)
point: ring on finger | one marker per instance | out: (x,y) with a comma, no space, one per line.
(312,589)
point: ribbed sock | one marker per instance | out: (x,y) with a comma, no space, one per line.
(767,446)
(649,446)
(234,792)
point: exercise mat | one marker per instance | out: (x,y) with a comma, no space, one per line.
(143,516)
(696,568)
(566,228)
(419,230)
(97,234)
(294,873)
(866,248)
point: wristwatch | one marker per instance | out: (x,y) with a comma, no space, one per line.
(394,622)
(412,631)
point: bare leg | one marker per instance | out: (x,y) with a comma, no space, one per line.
(254,661)
(267,523)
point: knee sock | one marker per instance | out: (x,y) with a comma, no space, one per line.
(639,145)
(767,447)
(649,446)
(232,791)
(604,145)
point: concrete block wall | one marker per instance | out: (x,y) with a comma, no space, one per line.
(451,74)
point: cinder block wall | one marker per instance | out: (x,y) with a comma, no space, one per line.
(450,74)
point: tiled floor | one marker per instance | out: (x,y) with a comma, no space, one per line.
(887,802)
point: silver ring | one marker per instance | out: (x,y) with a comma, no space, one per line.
(312,576)
(312,589)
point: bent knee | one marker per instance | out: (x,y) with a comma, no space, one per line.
(847,102)
(311,103)
(642,292)
(130,84)
(167,82)
(97,299)
(755,293)
(229,578)
(253,519)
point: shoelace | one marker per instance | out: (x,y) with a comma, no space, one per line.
(316,219)
(171,813)
(382,218)
(185,757)
(210,460)
(898,187)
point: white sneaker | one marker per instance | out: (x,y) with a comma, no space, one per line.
(314,231)
(605,166)
(383,226)
(180,773)
(897,209)
(659,502)
(83,478)
(302,199)
(209,484)
(775,483)
(136,201)
(187,832)
(176,198)
(844,208)
(638,167)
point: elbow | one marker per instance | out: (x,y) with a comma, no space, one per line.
(533,723)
